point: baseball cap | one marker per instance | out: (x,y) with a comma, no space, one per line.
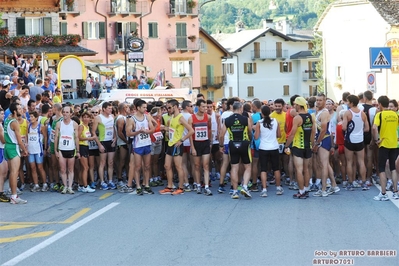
(6,83)
(301,101)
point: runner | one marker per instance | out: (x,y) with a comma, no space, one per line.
(3,162)
(94,153)
(240,135)
(122,149)
(174,150)
(216,156)
(201,145)
(65,146)
(13,145)
(54,169)
(256,116)
(156,147)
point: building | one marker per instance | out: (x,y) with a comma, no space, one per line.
(269,63)
(349,28)
(212,78)
(169,30)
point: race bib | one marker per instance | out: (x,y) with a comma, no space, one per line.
(158,136)
(52,135)
(33,137)
(215,138)
(143,139)
(109,131)
(93,145)
(281,148)
(23,139)
(201,133)
(171,133)
(66,143)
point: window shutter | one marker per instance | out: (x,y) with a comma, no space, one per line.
(254,68)
(209,74)
(133,26)
(20,26)
(85,29)
(245,68)
(281,67)
(47,28)
(63,28)
(289,66)
(101,26)
(231,68)
(155,29)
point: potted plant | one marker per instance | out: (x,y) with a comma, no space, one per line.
(74,39)
(133,84)
(18,41)
(191,4)
(69,4)
(3,31)
(183,74)
(192,38)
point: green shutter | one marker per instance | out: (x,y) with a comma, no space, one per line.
(155,30)
(101,26)
(85,29)
(47,28)
(209,75)
(20,26)
(133,26)
(63,28)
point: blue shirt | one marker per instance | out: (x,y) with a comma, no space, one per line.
(50,88)
(12,87)
(256,142)
(7,113)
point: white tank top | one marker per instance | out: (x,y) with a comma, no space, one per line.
(108,127)
(119,141)
(186,116)
(214,127)
(222,118)
(267,137)
(35,140)
(142,139)
(354,131)
(67,137)
(1,143)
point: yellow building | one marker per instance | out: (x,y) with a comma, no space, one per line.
(212,76)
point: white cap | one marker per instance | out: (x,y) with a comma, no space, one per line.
(6,83)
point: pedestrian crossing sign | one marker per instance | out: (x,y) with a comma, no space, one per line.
(380,57)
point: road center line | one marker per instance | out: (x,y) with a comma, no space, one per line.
(59,235)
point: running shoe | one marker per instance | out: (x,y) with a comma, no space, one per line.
(148,190)
(287,181)
(187,188)
(88,189)
(235,195)
(4,197)
(365,187)
(61,188)
(389,185)
(153,183)
(80,188)
(45,187)
(221,189)
(36,188)
(55,188)
(231,191)
(178,191)
(381,197)
(19,192)
(246,193)
(160,182)
(333,190)
(104,186)
(368,183)
(120,184)
(217,176)
(70,191)
(239,188)
(320,193)
(111,185)
(349,187)
(263,193)
(140,191)
(198,190)
(207,192)
(395,195)
(22,187)
(126,189)
(166,191)
(93,185)
(313,187)
(64,190)
(272,181)
(254,188)
(17,200)
(344,184)
(299,196)
(356,184)
(279,190)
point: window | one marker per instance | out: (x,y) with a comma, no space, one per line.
(152,30)
(256,50)
(204,47)
(182,68)
(5,23)
(312,90)
(310,46)
(285,67)
(34,26)
(250,91)
(230,91)
(249,68)
(63,28)
(312,69)
(125,28)
(210,95)
(286,90)
(93,30)
(230,68)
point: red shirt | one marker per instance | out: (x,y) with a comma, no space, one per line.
(201,129)
(339,135)
(288,122)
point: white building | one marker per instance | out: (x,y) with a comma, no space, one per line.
(349,28)
(269,63)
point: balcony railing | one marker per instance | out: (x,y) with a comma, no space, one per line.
(269,54)
(183,44)
(213,82)
(126,8)
(309,75)
(180,10)
(76,9)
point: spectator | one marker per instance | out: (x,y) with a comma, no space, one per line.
(26,78)
(5,95)
(24,95)
(36,89)
(48,87)
(58,97)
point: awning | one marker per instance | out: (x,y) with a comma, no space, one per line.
(98,68)
(134,65)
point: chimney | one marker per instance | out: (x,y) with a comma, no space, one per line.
(268,23)
(285,27)
(240,26)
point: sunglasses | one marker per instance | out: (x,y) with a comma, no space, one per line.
(94,112)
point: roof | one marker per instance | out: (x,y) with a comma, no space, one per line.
(302,35)
(303,55)
(6,69)
(235,42)
(62,50)
(215,42)
(388,9)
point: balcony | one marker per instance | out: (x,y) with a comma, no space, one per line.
(126,8)
(213,82)
(76,9)
(309,75)
(183,44)
(269,54)
(181,10)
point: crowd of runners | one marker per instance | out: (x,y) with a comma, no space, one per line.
(305,145)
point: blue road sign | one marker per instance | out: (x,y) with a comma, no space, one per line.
(380,57)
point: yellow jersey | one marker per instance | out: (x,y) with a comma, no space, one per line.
(175,130)
(281,121)
(387,123)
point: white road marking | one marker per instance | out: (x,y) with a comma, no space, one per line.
(58,236)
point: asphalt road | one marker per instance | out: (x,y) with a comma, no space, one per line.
(110,228)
